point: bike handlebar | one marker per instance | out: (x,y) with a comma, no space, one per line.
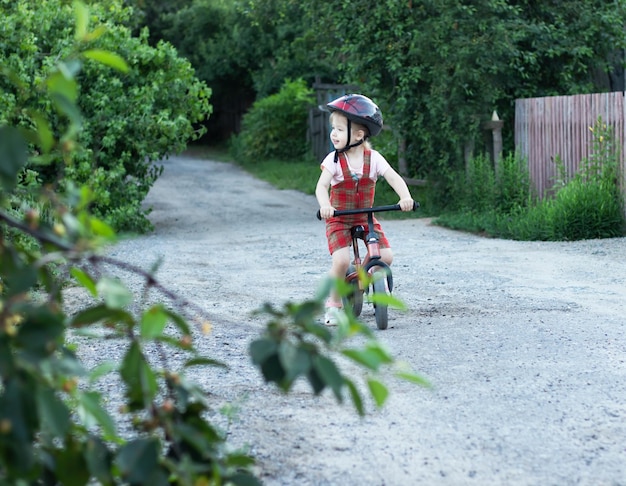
(375,209)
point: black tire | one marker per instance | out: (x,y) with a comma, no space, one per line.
(380,310)
(355,298)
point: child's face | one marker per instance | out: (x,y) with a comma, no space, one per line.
(339,130)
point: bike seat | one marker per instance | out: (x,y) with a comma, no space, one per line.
(358,231)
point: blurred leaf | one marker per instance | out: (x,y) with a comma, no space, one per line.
(328,372)
(413,378)
(204,362)
(179,322)
(45,136)
(95,33)
(98,459)
(108,59)
(81,14)
(261,349)
(114,293)
(100,313)
(356,397)
(100,228)
(64,91)
(316,382)
(70,464)
(371,357)
(153,322)
(386,299)
(140,380)
(137,460)
(85,280)
(101,370)
(295,360)
(53,413)
(14,156)
(92,413)
(378,390)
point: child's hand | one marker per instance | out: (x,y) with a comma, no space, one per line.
(406,204)
(327,212)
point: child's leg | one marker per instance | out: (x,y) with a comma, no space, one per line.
(386,255)
(340,263)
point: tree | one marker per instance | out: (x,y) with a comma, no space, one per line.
(441,67)
(129,121)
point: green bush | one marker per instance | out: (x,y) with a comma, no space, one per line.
(128,121)
(587,205)
(276,126)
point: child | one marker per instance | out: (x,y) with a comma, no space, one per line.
(351,172)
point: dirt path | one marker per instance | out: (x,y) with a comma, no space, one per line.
(524,342)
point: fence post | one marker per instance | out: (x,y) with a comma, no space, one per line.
(495,125)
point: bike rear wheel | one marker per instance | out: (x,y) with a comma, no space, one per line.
(380,310)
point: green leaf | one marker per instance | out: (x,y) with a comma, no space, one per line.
(379,391)
(262,349)
(413,378)
(100,228)
(316,382)
(107,58)
(81,13)
(328,372)
(92,413)
(101,370)
(138,459)
(386,299)
(64,91)
(204,362)
(100,313)
(140,380)
(41,332)
(179,322)
(85,280)
(14,154)
(372,357)
(153,322)
(295,360)
(115,294)
(70,465)
(98,459)
(53,413)
(357,400)
(45,137)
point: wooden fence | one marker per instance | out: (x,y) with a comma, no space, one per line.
(319,130)
(558,127)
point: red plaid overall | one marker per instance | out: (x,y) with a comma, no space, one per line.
(351,194)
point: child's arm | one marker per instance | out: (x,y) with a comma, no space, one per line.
(321,193)
(402,190)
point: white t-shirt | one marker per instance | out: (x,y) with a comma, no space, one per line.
(378,167)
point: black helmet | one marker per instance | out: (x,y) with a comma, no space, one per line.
(359,109)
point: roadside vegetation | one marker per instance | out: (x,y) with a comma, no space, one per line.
(93,97)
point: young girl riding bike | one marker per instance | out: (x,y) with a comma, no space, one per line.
(350,173)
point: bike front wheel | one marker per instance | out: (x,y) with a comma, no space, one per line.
(380,310)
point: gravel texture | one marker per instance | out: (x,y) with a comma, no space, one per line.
(524,342)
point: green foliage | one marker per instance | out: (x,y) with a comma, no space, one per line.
(588,205)
(128,121)
(276,126)
(55,426)
(295,346)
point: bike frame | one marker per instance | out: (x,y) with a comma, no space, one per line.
(372,258)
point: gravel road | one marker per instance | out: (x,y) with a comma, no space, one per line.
(524,342)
